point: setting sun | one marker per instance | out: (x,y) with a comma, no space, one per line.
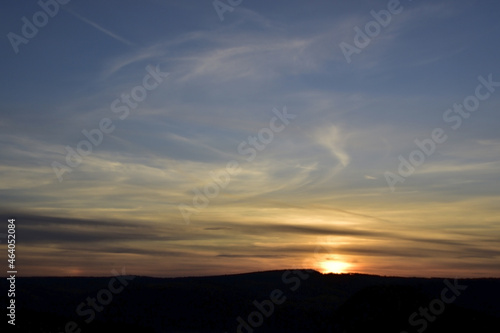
(333,266)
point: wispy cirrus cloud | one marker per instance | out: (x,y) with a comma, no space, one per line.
(99,27)
(322,178)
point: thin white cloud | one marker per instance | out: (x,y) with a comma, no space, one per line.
(331,138)
(98,27)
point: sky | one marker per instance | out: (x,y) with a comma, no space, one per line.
(187,138)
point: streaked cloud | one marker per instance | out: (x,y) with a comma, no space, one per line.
(100,28)
(319,182)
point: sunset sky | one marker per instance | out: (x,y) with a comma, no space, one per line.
(252,143)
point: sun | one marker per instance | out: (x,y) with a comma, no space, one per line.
(333,266)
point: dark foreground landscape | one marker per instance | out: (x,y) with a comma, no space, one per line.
(274,301)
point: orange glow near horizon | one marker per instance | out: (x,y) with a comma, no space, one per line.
(334,266)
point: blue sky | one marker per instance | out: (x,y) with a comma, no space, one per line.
(321,181)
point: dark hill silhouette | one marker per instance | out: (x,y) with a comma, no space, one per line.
(304,301)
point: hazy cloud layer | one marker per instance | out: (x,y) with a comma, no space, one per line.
(319,182)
